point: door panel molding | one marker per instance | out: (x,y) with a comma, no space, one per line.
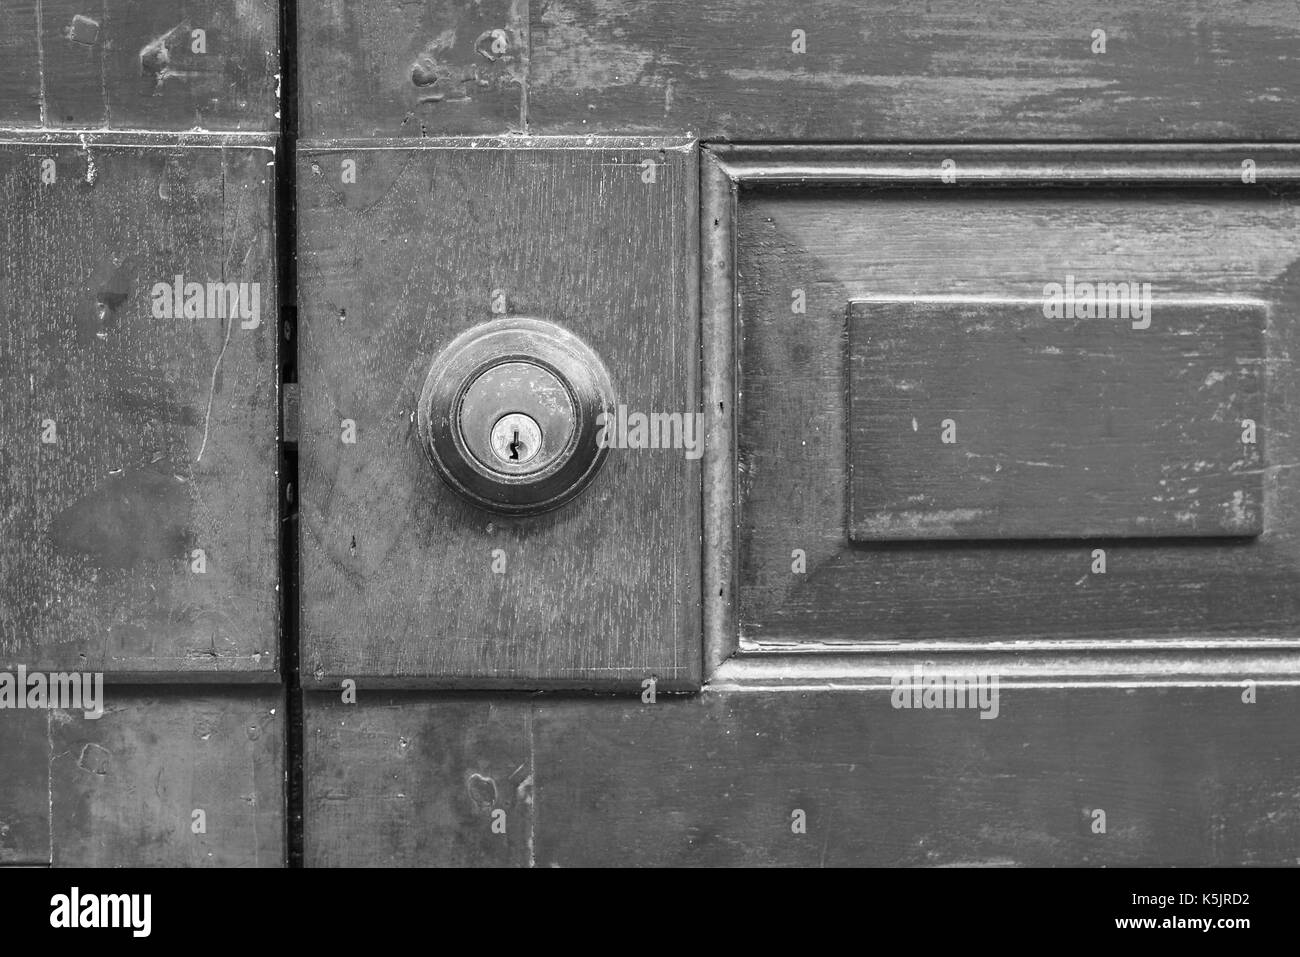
(728,173)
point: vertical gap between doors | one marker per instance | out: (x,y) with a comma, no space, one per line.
(286,257)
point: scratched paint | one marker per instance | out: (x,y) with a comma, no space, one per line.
(872,70)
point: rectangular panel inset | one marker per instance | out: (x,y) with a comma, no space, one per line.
(404,582)
(985,418)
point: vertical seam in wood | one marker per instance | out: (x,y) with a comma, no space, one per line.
(49,781)
(288,618)
(526,66)
(533,789)
(103,69)
(695,380)
(40,61)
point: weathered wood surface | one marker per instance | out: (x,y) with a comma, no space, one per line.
(988,419)
(73,64)
(432,68)
(124,788)
(24,787)
(121,790)
(20,79)
(1185,777)
(397,571)
(722,69)
(844,244)
(129,443)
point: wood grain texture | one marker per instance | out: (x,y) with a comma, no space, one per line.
(24,787)
(1120,425)
(123,788)
(127,442)
(723,69)
(844,244)
(87,63)
(20,74)
(411,783)
(1185,776)
(397,580)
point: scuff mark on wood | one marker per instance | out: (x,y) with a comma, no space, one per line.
(83,30)
(155,58)
(94,759)
(125,521)
(482,791)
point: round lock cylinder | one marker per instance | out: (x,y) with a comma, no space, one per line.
(508,415)
(516,440)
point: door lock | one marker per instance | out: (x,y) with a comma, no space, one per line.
(508,415)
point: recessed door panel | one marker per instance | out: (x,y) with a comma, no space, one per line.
(942,435)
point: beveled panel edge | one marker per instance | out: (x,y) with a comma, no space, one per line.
(1008,164)
(189,139)
(733,664)
(718,380)
(1184,664)
(503,141)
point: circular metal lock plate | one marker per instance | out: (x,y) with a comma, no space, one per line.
(508,415)
(534,394)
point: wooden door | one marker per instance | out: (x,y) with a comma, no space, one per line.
(556,432)
(989,553)
(139,436)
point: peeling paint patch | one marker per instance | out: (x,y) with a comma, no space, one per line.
(492,44)
(482,791)
(83,30)
(431,66)
(1237,515)
(931,521)
(95,759)
(155,57)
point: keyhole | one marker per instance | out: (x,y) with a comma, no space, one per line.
(516,439)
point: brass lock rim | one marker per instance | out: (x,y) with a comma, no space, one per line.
(482,348)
